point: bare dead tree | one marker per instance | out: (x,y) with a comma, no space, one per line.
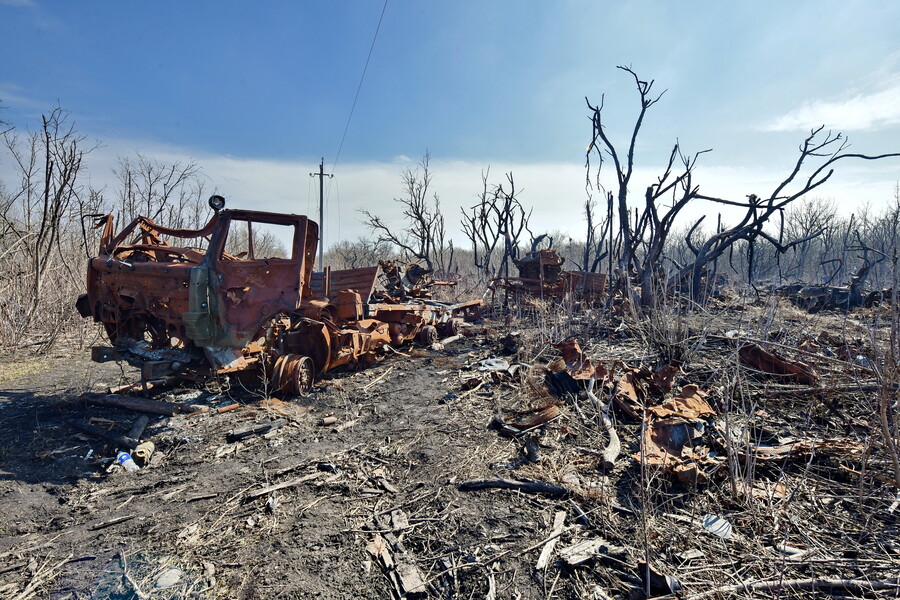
(826,149)
(642,236)
(47,165)
(598,244)
(353,255)
(644,233)
(481,228)
(801,219)
(624,166)
(498,216)
(424,237)
(158,190)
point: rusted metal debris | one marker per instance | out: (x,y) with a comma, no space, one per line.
(541,275)
(516,423)
(674,436)
(777,366)
(682,435)
(175,302)
(411,279)
(814,298)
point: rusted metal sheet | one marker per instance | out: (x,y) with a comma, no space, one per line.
(359,280)
(775,365)
(193,308)
(590,284)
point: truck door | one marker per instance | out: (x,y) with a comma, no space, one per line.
(259,272)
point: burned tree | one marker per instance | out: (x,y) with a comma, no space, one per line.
(497,217)
(156,190)
(425,236)
(641,240)
(642,235)
(828,149)
(354,255)
(598,237)
(48,164)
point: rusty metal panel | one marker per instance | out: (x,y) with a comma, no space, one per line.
(591,284)
(359,280)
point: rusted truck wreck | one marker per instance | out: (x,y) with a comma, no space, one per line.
(176,303)
(541,276)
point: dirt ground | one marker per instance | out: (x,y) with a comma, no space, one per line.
(377,493)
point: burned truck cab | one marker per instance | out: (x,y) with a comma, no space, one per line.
(165,295)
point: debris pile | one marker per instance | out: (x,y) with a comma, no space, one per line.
(491,464)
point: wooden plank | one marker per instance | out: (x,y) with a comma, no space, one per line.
(544,559)
(360,280)
(588,549)
(411,579)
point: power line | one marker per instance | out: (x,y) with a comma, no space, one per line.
(358,88)
(344,136)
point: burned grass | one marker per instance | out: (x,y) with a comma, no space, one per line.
(456,472)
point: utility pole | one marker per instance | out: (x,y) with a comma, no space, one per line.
(321,175)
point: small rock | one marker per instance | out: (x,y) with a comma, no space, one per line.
(169,578)
(209,569)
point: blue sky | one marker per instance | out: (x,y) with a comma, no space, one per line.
(257,92)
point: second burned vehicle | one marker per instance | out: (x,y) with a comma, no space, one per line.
(220,300)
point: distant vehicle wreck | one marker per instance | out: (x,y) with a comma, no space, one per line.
(176,303)
(541,275)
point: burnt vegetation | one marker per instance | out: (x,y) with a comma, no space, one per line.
(666,407)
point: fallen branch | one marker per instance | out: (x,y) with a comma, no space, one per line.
(547,551)
(137,429)
(146,386)
(239,433)
(614,447)
(527,486)
(853,387)
(134,584)
(144,405)
(121,441)
(496,557)
(281,486)
(377,379)
(803,584)
(43,575)
(111,522)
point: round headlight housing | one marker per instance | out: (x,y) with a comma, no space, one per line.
(216,202)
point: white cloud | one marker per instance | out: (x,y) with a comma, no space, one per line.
(554,190)
(12,95)
(865,110)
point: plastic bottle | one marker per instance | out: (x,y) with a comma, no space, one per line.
(125,460)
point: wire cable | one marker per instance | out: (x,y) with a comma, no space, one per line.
(358,88)
(353,108)
(337,193)
(308,193)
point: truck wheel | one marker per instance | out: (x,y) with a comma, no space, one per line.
(427,336)
(293,375)
(451,327)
